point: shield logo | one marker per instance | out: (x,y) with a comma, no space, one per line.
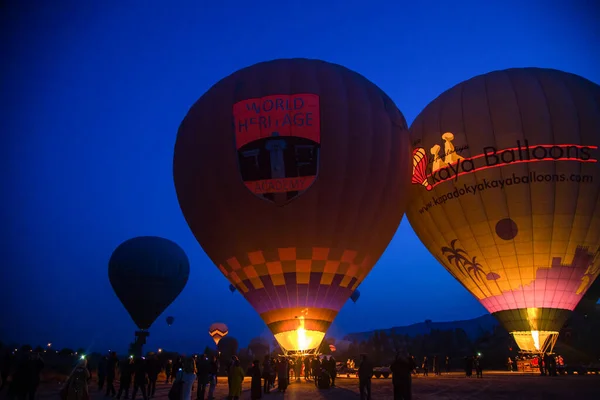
(278,140)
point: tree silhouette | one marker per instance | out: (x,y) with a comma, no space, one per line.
(324,348)
(353,349)
(66,352)
(228,345)
(259,347)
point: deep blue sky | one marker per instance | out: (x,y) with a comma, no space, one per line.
(91,99)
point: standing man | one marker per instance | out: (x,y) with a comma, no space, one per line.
(365,373)
(111,370)
(401,377)
(203,374)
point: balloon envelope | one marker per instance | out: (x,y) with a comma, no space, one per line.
(170,320)
(147,273)
(292,175)
(218,331)
(355,296)
(505,194)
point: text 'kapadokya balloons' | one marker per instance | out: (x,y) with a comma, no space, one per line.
(292,175)
(147,273)
(505,194)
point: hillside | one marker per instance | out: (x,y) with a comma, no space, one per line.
(474,328)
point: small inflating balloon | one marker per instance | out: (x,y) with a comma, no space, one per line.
(147,273)
(218,331)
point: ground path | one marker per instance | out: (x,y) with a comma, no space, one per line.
(494,385)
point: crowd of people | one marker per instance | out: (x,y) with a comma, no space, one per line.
(546,364)
(25,378)
(126,377)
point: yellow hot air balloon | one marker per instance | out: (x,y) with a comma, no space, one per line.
(512,205)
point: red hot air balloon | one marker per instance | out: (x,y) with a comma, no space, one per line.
(218,331)
(292,176)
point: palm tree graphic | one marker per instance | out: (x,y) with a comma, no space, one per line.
(469,267)
(457,256)
(476,268)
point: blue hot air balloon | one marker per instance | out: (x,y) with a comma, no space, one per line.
(147,273)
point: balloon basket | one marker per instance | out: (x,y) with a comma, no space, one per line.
(300,353)
(140,341)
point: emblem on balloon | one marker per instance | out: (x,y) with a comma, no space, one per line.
(278,139)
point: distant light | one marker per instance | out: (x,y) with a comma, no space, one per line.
(75,353)
(16,349)
(49,344)
(130,356)
(160,350)
(479,354)
(82,357)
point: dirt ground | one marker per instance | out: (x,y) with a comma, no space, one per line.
(494,385)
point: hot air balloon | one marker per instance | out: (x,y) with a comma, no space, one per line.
(507,197)
(147,273)
(259,347)
(354,296)
(293,176)
(170,320)
(218,331)
(232,288)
